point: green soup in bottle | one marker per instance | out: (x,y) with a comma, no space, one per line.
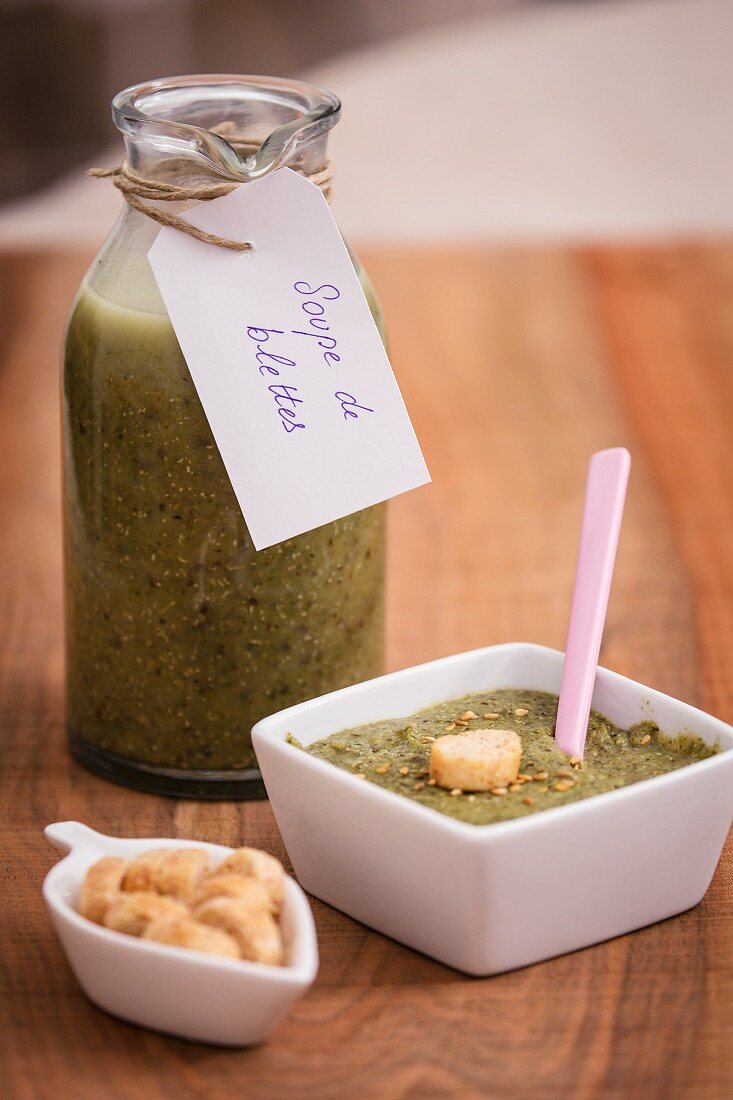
(179,634)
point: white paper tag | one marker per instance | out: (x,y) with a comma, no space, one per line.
(286,359)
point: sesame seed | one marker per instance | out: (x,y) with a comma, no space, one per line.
(360,775)
(382,769)
(575,760)
(456,792)
(514,787)
(498,790)
(564,775)
(539,777)
(419,786)
(646,739)
(562,786)
(492,714)
(471,798)
(528,801)
(468,716)
(432,782)
(404,771)
(451,726)
(521,712)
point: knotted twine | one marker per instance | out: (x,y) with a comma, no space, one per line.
(139,191)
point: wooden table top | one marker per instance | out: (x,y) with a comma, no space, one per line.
(515,365)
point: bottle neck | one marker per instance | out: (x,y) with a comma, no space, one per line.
(177,131)
(193,131)
(189,169)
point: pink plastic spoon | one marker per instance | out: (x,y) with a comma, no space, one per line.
(605,492)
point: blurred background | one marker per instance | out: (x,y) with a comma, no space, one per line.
(469,119)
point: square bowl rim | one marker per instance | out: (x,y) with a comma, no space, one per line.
(269,729)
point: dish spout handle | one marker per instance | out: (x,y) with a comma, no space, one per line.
(73,835)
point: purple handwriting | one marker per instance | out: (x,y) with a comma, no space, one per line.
(349,405)
(317,326)
(261,336)
(286,402)
(284,396)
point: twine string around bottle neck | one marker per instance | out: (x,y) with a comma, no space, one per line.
(139,192)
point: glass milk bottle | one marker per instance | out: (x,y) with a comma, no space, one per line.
(179,634)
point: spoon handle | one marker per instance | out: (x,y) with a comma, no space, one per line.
(608,475)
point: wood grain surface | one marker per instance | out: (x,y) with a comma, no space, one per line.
(515,364)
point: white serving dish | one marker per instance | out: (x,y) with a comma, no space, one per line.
(490,898)
(207,998)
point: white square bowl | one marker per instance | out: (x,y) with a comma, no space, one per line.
(490,898)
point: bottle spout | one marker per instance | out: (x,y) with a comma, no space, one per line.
(236,127)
